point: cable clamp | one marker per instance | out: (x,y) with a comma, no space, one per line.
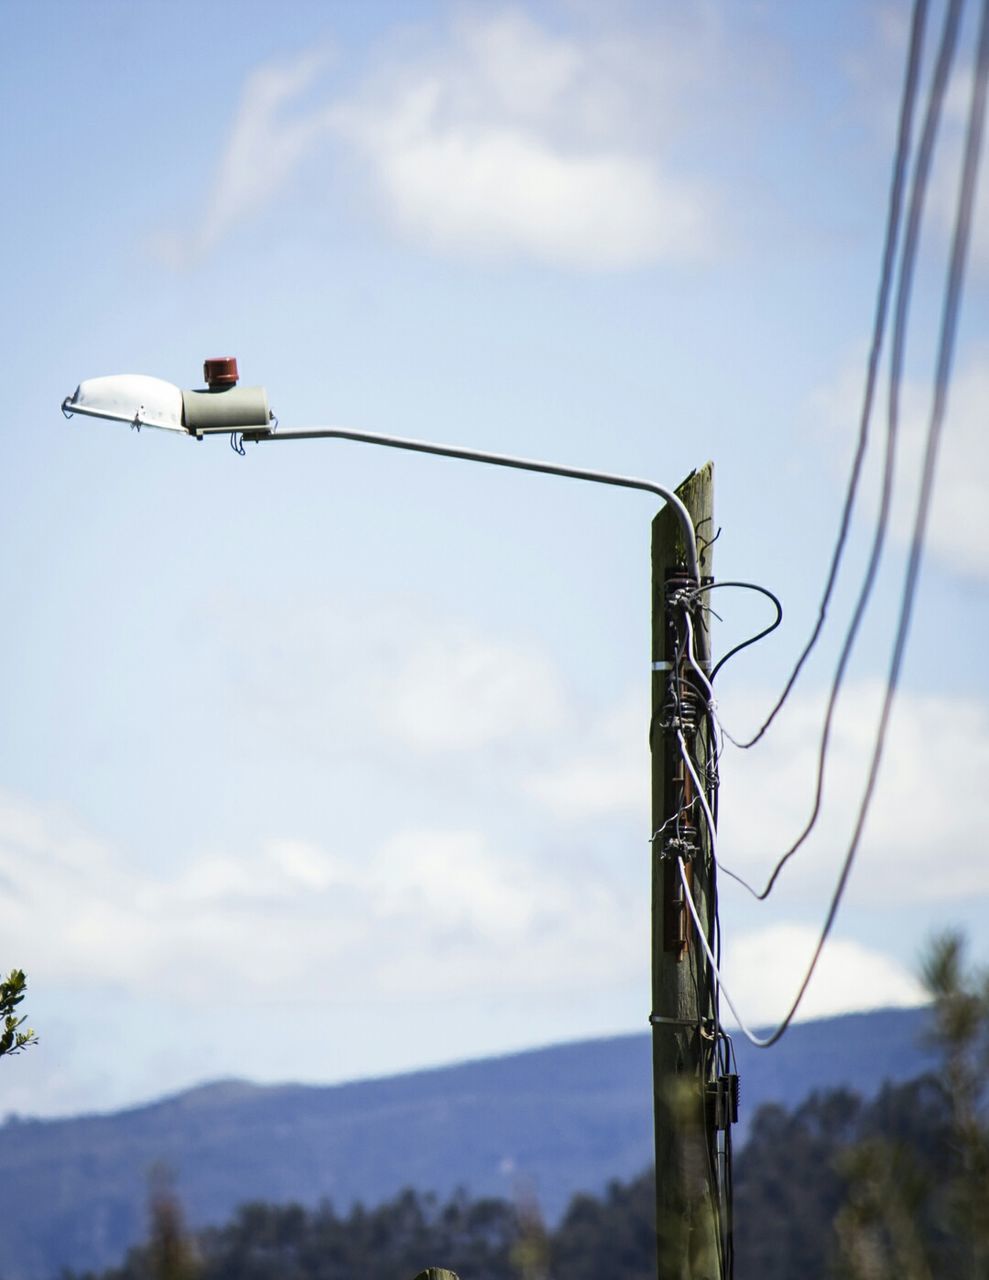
(677,847)
(678,724)
(681,593)
(722,1101)
(657,1020)
(703,1026)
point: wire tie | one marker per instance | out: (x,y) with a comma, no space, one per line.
(704,1026)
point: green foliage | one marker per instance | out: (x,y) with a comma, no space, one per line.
(879,1226)
(12,991)
(530,1254)
(801,1174)
(787,1189)
(894,1188)
(614,1235)
(390,1242)
(170,1253)
(919,1211)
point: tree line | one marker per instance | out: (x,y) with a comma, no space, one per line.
(839,1188)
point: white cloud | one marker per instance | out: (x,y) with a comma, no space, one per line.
(451,908)
(947,172)
(454,912)
(958,526)
(767,793)
(450,878)
(459,690)
(501,190)
(607,773)
(959,522)
(437,910)
(512,140)
(763,968)
(877,72)
(504,727)
(441,912)
(267,144)
(503,138)
(404,680)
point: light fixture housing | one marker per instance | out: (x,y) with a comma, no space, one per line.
(133,398)
(142,401)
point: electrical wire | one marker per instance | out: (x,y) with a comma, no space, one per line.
(701,797)
(715,727)
(705,990)
(893,219)
(673,818)
(921,174)
(760,635)
(706,792)
(758,1041)
(946,344)
(710,808)
(949,324)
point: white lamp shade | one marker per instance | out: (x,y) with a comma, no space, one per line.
(135,398)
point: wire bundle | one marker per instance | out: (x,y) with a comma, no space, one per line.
(688,682)
(945,352)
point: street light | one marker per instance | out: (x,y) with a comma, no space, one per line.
(690,1232)
(223,408)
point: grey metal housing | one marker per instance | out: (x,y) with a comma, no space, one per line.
(225,409)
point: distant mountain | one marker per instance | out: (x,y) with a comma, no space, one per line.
(553,1121)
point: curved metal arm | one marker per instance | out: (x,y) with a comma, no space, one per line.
(264,435)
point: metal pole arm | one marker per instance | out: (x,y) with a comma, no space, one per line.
(264,435)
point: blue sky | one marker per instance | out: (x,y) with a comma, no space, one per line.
(329,761)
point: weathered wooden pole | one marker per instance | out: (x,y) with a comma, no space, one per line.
(686,1162)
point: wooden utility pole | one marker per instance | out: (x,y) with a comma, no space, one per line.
(687,1231)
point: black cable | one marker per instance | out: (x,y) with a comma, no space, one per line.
(945,355)
(745,586)
(946,345)
(908,258)
(878,332)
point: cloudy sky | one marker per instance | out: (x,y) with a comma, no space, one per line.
(330,761)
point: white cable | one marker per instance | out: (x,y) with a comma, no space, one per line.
(756,1040)
(701,932)
(686,755)
(694,663)
(701,796)
(759,1041)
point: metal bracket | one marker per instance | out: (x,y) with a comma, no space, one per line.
(722,1101)
(677,847)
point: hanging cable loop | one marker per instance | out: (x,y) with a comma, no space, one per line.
(696,592)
